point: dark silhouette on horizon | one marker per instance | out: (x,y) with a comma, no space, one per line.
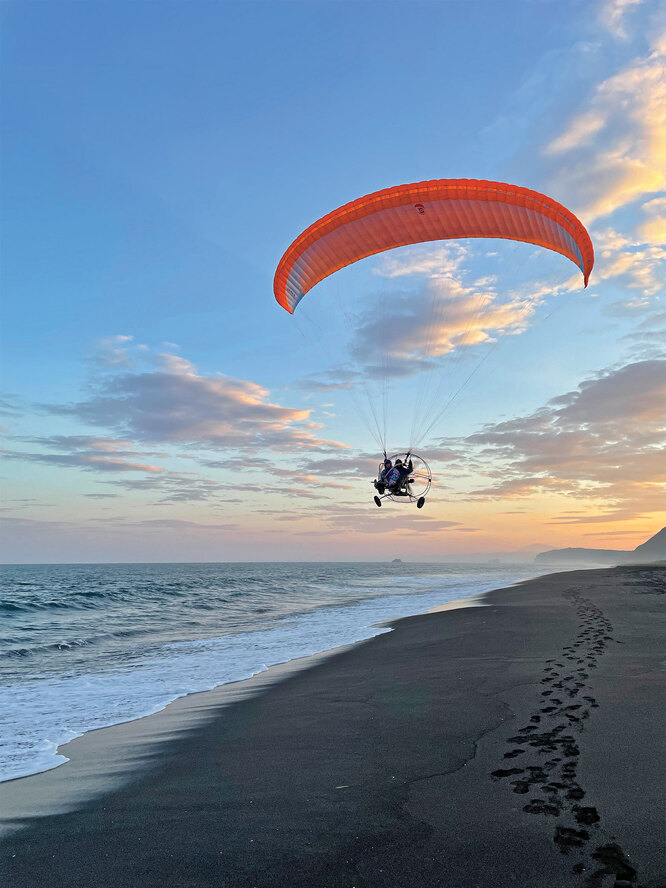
(652,550)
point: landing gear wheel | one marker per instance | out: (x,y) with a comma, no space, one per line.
(378,502)
(420,503)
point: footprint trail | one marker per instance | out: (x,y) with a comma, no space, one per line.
(542,761)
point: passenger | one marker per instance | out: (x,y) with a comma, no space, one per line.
(381,483)
(399,475)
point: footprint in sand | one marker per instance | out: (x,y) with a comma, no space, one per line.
(586,816)
(567,838)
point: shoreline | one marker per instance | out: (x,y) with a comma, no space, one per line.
(388,761)
(106,758)
(388,610)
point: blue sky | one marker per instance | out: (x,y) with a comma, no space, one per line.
(158,160)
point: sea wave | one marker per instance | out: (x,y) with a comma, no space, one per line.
(152,633)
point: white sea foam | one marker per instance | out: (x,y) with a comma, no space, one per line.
(43,711)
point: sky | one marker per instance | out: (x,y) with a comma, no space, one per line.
(159,158)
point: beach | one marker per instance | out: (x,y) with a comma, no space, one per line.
(520,743)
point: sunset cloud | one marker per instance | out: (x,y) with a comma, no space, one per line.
(174,487)
(177,524)
(613,13)
(580,132)
(440,261)
(112,351)
(648,339)
(638,265)
(169,403)
(93,454)
(409,333)
(653,230)
(614,153)
(604,442)
(173,403)
(271,469)
(117,538)
(353,518)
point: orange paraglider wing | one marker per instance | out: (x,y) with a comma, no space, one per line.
(427,211)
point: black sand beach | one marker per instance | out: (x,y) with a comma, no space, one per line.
(517,744)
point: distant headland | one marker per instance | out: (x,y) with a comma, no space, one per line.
(652,550)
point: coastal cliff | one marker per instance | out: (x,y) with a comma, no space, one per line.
(652,550)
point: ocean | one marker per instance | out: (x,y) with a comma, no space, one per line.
(84,646)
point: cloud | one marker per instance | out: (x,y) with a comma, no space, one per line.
(612,155)
(92,454)
(112,351)
(616,149)
(580,132)
(653,230)
(268,468)
(442,261)
(169,402)
(641,534)
(312,384)
(174,364)
(605,443)
(648,339)
(175,524)
(8,407)
(173,403)
(636,393)
(637,265)
(114,539)
(348,465)
(116,456)
(188,487)
(345,517)
(612,15)
(364,466)
(412,331)
(176,487)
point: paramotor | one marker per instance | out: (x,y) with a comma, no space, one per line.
(412,487)
(435,210)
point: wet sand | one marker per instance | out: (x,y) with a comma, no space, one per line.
(520,743)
